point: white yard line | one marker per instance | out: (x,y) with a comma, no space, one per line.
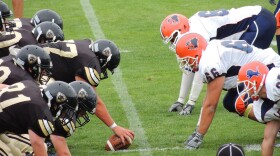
(250,147)
(120,86)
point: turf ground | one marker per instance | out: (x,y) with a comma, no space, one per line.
(147,81)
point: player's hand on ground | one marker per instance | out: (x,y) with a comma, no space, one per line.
(123,133)
(176,107)
(195,141)
(190,137)
(187,110)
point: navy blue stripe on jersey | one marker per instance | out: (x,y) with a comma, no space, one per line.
(233,71)
(269,66)
(230,29)
(267,104)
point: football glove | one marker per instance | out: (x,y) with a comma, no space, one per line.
(190,137)
(272,2)
(187,110)
(195,142)
(176,107)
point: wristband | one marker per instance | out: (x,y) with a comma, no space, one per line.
(113,125)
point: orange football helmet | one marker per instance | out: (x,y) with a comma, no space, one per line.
(189,49)
(251,78)
(173,26)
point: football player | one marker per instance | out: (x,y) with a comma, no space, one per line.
(42,33)
(218,64)
(27,108)
(254,24)
(39,17)
(87,61)
(263,86)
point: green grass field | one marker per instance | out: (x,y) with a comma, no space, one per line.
(148,79)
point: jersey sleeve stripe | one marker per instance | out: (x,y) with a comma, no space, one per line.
(92,76)
(20,138)
(46,127)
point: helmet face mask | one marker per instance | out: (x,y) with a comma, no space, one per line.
(251,78)
(188,63)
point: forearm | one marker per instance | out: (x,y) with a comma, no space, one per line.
(60,145)
(39,148)
(270,133)
(214,90)
(208,113)
(102,113)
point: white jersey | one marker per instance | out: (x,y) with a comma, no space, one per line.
(225,57)
(223,24)
(268,109)
(272,84)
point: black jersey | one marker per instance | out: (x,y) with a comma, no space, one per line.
(10,73)
(22,23)
(18,37)
(23,108)
(73,58)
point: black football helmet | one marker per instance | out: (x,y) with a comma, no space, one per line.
(46,15)
(86,100)
(5,12)
(108,55)
(36,61)
(48,32)
(62,100)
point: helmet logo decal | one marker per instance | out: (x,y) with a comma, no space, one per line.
(60,97)
(173,19)
(250,73)
(50,34)
(82,94)
(32,59)
(192,44)
(106,52)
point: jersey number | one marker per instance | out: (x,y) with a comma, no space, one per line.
(239,44)
(213,72)
(15,100)
(221,12)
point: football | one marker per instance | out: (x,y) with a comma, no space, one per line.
(114,143)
